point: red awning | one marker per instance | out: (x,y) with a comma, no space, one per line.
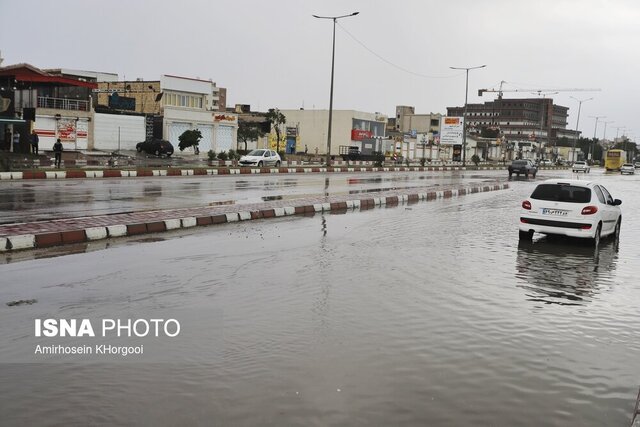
(29,73)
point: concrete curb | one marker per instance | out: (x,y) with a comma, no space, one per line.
(124,173)
(49,239)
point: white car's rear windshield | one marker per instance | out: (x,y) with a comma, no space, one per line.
(562,193)
(256,153)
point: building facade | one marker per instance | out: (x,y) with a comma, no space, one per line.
(530,125)
(173,105)
(52,104)
(349,128)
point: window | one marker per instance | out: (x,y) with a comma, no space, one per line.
(598,193)
(562,193)
(607,195)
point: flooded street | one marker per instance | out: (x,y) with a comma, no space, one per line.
(33,200)
(423,314)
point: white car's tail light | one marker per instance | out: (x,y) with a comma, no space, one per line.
(526,205)
(589,210)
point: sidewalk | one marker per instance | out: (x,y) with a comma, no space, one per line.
(43,234)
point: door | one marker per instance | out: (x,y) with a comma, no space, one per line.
(175,130)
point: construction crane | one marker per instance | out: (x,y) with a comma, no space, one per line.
(538,91)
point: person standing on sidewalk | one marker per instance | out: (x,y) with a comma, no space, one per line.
(34,142)
(57,151)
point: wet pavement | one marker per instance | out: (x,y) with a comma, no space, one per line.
(35,221)
(429,314)
(34,200)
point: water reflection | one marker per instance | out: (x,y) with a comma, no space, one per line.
(565,272)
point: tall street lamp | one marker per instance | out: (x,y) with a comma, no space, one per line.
(333,56)
(604,134)
(594,134)
(580,101)
(464,114)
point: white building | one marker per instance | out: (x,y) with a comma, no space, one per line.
(349,128)
(192,104)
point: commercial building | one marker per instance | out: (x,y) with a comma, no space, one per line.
(531,126)
(308,129)
(171,106)
(52,104)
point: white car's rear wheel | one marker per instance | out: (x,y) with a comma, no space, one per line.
(526,236)
(595,241)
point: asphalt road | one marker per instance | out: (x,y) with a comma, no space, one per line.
(33,200)
(423,314)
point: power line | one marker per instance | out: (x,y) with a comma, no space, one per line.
(395,65)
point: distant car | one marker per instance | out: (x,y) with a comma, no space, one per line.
(627,168)
(570,208)
(546,162)
(526,167)
(580,167)
(636,165)
(260,158)
(157,147)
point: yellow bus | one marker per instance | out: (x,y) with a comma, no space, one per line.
(614,160)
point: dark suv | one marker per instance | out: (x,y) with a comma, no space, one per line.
(155,146)
(527,167)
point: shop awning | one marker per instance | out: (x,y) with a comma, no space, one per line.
(10,120)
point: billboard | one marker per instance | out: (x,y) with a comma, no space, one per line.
(360,134)
(451,129)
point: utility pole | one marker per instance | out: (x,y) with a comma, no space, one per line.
(464,114)
(333,57)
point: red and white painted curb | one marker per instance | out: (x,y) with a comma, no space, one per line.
(49,239)
(125,173)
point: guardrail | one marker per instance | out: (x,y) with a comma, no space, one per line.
(63,103)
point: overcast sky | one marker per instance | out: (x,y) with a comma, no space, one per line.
(275,54)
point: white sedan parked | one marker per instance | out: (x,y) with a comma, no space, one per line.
(260,158)
(570,208)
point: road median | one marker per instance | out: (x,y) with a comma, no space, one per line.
(45,234)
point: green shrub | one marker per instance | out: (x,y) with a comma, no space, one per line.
(223,155)
(211,155)
(233,154)
(475,159)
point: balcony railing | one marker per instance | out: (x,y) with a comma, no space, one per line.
(63,103)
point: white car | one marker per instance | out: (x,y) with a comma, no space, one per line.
(260,158)
(570,208)
(580,167)
(628,168)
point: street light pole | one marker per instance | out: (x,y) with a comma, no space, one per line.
(580,101)
(604,135)
(333,56)
(594,134)
(464,114)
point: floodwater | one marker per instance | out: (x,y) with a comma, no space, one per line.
(424,314)
(34,200)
